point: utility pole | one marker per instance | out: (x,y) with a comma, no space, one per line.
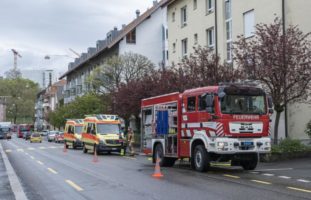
(16,54)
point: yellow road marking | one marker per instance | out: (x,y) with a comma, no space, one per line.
(52,171)
(32,157)
(262,182)
(38,161)
(299,189)
(8,150)
(150,159)
(31,148)
(231,176)
(75,186)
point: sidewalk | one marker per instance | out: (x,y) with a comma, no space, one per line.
(6,192)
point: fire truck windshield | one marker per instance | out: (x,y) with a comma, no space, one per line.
(243,104)
(108,129)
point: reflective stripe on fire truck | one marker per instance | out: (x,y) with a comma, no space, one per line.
(188,133)
(220,130)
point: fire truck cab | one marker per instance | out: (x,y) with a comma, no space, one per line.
(214,123)
(102,133)
(72,134)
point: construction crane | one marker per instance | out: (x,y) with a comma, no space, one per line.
(74,52)
(16,54)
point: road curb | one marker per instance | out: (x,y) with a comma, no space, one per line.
(14,181)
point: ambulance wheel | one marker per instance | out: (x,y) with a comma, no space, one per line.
(200,159)
(84,149)
(250,164)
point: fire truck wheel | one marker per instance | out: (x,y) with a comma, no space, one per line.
(250,164)
(84,149)
(200,159)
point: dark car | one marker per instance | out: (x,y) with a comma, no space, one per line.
(26,135)
(2,134)
(5,132)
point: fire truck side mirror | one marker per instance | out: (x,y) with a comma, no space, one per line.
(270,105)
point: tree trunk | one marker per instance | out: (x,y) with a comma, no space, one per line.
(276,127)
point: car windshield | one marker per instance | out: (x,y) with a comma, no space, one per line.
(78,129)
(243,104)
(35,135)
(53,132)
(108,128)
(23,129)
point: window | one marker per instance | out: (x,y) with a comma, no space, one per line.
(191,104)
(228,18)
(184,16)
(209,6)
(174,47)
(196,38)
(131,37)
(249,23)
(195,4)
(173,16)
(184,47)
(166,55)
(210,37)
(202,103)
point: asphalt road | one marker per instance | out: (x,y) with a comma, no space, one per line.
(46,172)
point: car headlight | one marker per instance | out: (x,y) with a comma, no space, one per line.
(222,144)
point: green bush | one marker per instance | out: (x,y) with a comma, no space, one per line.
(308,129)
(289,146)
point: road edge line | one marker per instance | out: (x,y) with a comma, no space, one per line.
(14,181)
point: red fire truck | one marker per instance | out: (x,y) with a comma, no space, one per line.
(229,122)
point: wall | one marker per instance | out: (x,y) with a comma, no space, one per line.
(148,38)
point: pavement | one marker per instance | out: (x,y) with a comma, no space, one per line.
(5,187)
(47,172)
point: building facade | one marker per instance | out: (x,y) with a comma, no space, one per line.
(217,23)
(145,35)
(47,101)
(44,78)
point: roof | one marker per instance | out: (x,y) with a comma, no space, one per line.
(127,29)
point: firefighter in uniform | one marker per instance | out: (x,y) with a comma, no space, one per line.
(130,141)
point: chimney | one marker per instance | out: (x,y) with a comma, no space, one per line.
(115,28)
(155,2)
(137,13)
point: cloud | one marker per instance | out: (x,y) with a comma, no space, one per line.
(37,28)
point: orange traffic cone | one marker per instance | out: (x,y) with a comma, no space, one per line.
(65,148)
(95,158)
(157,171)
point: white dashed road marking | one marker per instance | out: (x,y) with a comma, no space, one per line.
(268,174)
(285,177)
(303,181)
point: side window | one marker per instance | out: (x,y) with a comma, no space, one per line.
(202,103)
(191,104)
(93,129)
(89,128)
(66,129)
(71,129)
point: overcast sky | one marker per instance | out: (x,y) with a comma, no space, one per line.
(36,28)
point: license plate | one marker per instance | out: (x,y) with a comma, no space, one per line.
(247,143)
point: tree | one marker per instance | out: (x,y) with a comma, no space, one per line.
(13,74)
(280,61)
(203,68)
(81,106)
(22,93)
(119,69)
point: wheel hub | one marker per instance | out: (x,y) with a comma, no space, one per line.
(198,159)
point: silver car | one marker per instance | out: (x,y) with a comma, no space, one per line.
(51,136)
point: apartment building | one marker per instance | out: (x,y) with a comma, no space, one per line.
(217,23)
(47,101)
(145,35)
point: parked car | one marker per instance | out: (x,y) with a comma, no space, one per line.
(35,137)
(59,137)
(6,132)
(2,134)
(51,136)
(26,135)
(44,133)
